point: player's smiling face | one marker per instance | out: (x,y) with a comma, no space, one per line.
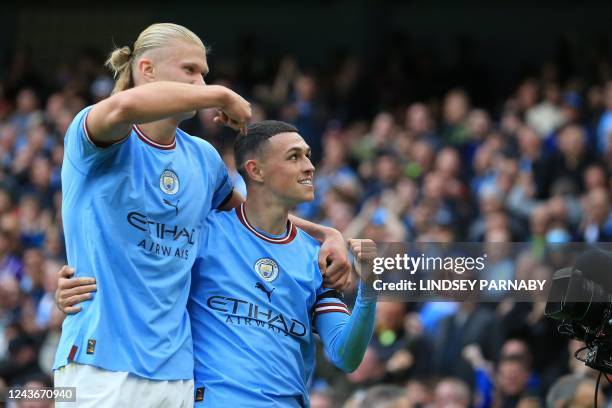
(288,172)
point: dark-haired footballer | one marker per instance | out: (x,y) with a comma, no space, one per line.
(257,294)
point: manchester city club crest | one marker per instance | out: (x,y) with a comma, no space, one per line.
(169,182)
(267,269)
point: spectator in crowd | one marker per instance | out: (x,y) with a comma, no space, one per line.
(384,396)
(512,380)
(604,129)
(419,393)
(455,110)
(573,391)
(569,162)
(22,361)
(546,116)
(420,125)
(596,225)
(452,393)
(469,325)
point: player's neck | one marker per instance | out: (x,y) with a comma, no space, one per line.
(161,131)
(265,215)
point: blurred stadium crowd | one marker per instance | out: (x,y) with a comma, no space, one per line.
(402,154)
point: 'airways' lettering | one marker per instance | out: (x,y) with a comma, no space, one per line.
(159,229)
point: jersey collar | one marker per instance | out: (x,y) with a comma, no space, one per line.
(142,136)
(291,231)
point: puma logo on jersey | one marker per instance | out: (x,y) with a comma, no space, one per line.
(268,293)
(171,204)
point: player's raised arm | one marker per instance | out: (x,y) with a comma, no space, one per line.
(161,77)
(345,336)
(111,119)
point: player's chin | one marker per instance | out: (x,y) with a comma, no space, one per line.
(309,195)
(307,192)
(301,197)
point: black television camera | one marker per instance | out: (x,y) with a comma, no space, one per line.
(581,297)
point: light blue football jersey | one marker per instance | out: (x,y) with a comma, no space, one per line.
(132,215)
(252,304)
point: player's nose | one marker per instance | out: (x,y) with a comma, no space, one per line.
(199,80)
(308,167)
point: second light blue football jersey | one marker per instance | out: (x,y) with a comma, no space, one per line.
(252,303)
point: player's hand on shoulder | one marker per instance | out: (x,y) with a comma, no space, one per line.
(235,112)
(364,251)
(71,290)
(334,262)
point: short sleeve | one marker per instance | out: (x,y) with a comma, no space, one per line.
(79,148)
(222,182)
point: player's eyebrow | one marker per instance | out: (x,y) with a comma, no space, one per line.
(203,68)
(299,149)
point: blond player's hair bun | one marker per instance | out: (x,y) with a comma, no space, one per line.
(119,60)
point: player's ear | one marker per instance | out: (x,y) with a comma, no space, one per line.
(254,170)
(146,69)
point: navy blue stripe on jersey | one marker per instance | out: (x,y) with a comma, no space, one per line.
(226,199)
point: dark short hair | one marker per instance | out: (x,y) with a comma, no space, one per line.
(257,135)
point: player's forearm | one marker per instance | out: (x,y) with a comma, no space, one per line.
(319,232)
(348,342)
(111,119)
(159,100)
